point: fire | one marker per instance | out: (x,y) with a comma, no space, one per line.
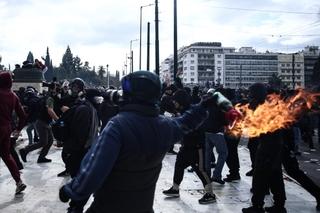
(274,114)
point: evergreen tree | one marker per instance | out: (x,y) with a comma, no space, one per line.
(48,62)
(68,63)
(30,57)
(77,64)
(101,72)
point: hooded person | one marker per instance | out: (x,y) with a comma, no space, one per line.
(257,96)
(191,153)
(123,165)
(267,170)
(9,103)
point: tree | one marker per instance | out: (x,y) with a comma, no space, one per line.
(275,81)
(48,62)
(68,63)
(101,72)
(77,64)
(30,57)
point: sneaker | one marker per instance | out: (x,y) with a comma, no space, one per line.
(65,173)
(23,155)
(190,170)
(218,181)
(231,178)
(20,187)
(275,209)
(253,209)
(44,160)
(207,198)
(171,192)
(250,173)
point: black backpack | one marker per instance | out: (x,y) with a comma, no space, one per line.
(61,128)
(34,106)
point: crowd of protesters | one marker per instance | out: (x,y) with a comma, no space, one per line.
(117,137)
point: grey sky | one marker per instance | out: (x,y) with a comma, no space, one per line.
(99,31)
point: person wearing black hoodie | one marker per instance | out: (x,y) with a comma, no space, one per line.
(190,154)
(267,163)
(9,103)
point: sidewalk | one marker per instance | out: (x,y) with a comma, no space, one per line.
(41,195)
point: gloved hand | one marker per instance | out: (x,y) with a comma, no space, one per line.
(63,195)
(208,100)
(232,115)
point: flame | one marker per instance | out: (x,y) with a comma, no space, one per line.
(275,113)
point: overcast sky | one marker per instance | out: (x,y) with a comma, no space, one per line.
(99,31)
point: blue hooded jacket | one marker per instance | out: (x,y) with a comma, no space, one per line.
(123,165)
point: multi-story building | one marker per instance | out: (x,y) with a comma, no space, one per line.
(291,70)
(166,70)
(246,67)
(197,63)
(311,55)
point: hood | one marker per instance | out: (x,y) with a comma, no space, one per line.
(5,80)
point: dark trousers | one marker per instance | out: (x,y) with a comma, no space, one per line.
(5,154)
(73,161)
(45,139)
(253,146)
(306,135)
(195,159)
(14,153)
(268,172)
(233,157)
(291,165)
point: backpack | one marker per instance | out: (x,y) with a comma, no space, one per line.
(34,105)
(61,128)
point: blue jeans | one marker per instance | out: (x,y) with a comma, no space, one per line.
(215,140)
(29,132)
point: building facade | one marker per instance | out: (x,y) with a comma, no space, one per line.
(246,67)
(311,55)
(291,70)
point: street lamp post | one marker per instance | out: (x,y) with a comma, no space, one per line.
(141,32)
(131,55)
(108,75)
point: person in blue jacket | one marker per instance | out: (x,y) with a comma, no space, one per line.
(122,167)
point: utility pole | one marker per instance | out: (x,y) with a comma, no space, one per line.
(131,55)
(148,47)
(240,80)
(108,75)
(175,41)
(293,72)
(140,48)
(157,37)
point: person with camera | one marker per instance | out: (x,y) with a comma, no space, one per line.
(122,167)
(44,119)
(82,125)
(9,103)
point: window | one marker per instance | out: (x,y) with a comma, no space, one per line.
(191,67)
(185,80)
(192,61)
(191,79)
(288,65)
(283,65)
(192,55)
(298,65)
(219,56)
(192,73)
(219,62)
(185,68)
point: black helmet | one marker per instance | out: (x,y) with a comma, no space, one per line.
(142,86)
(79,82)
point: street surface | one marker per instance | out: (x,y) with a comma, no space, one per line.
(41,195)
